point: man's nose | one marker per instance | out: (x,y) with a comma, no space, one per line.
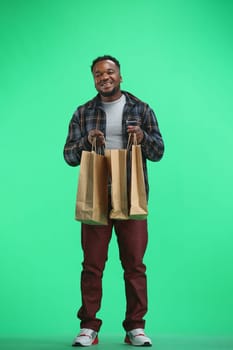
(105,76)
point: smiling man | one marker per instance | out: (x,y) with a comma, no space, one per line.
(107,79)
(110,117)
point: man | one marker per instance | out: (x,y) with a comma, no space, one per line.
(110,117)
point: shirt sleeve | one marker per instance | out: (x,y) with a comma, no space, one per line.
(152,144)
(76,140)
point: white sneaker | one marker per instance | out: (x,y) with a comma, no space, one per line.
(86,337)
(137,337)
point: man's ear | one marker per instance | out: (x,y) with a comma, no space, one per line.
(121,79)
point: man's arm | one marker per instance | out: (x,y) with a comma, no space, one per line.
(75,141)
(152,142)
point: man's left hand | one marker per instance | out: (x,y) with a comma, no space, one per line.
(136,130)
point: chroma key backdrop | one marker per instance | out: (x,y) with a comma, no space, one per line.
(175,55)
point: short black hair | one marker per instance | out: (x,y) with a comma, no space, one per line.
(103,58)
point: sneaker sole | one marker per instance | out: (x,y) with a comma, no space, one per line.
(95,342)
(128,341)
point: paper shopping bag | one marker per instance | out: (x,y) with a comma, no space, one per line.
(138,197)
(117,159)
(92,193)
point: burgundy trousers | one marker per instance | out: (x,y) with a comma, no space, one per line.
(132,237)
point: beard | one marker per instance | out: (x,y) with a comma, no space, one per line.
(110,93)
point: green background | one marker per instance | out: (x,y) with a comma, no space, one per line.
(175,55)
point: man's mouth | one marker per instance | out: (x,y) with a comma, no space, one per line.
(106,84)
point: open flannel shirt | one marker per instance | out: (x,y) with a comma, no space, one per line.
(91,115)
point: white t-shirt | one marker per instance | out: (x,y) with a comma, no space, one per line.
(114,111)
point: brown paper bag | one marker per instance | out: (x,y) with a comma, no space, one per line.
(92,193)
(138,198)
(116,159)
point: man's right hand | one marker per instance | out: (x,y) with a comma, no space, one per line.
(95,133)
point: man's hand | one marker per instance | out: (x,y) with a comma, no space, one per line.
(136,130)
(95,133)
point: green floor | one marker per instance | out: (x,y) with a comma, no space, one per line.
(115,342)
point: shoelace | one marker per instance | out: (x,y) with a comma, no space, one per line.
(84,335)
(139,335)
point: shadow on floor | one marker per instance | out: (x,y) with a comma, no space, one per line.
(116,342)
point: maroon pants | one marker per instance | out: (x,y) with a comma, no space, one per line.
(132,241)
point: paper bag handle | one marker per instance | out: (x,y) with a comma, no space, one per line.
(96,149)
(132,140)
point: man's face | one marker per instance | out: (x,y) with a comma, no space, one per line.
(107,79)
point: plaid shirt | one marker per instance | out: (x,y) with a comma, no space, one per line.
(91,115)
